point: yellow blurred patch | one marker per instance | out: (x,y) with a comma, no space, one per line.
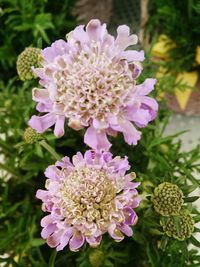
(188,79)
(162,47)
(197,58)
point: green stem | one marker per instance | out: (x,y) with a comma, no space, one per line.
(50,149)
(52,258)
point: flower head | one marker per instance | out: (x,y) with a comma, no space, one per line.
(167,199)
(186,226)
(26,60)
(31,136)
(90,81)
(96,258)
(86,199)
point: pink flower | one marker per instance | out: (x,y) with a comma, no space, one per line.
(87,198)
(90,81)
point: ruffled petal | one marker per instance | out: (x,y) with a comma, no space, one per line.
(140,117)
(48,230)
(40,95)
(131,135)
(133,55)
(149,102)
(123,39)
(54,240)
(78,160)
(130,216)
(59,126)
(127,230)
(94,241)
(52,172)
(96,139)
(40,124)
(115,233)
(64,240)
(94,30)
(146,87)
(59,47)
(80,35)
(76,241)
(99,125)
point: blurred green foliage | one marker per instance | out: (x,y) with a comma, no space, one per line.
(180,21)
(26,23)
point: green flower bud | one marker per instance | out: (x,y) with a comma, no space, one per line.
(164,148)
(28,58)
(31,136)
(96,258)
(167,199)
(186,226)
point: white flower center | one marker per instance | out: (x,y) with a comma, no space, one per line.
(93,85)
(86,196)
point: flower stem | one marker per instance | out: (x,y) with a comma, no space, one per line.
(52,258)
(44,144)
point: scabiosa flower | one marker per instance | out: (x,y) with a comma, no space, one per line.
(88,198)
(26,60)
(186,226)
(167,199)
(90,80)
(31,136)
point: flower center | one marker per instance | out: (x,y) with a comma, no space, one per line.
(86,196)
(93,85)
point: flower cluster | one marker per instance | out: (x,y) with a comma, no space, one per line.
(90,81)
(88,198)
(186,225)
(167,199)
(31,136)
(26,60)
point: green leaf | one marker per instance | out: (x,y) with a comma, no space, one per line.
(36,242)
(194,241)
(191,199)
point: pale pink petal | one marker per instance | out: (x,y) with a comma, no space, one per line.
(94,30)
(94,241)
(76,241)
(54,240)
(140,117)
(52,172)
(99,125)
(133,55)
(115,233)
(96,139)
(47,220)
(48,230)
(64,240)
(40,95)
(124,39)
(146,87)
(44,107)
(59,47)
(80,35)
(42,194)
(40,124)
(78,160)
(131,135)
(150,102)
(59,126)
(130,216)
(127,230)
